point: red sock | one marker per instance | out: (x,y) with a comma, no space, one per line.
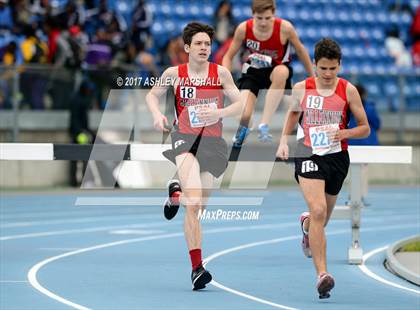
(175,198)
(195,256)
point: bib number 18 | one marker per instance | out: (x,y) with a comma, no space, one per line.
(188,92)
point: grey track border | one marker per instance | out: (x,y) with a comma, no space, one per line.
(396,266)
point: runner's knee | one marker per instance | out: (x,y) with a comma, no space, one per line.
(318,213)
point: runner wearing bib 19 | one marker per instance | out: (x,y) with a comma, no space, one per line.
(322,105)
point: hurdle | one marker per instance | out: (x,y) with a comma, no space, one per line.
(359,156)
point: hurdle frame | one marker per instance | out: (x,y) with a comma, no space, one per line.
(359,156)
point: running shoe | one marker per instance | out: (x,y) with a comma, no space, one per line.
(199,278)
(305,238)
(171,206)
(240,136)
(264,134)
(324,285)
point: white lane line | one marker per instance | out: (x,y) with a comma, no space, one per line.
(254,244)
(250,245)
(159,200)
(32,274)
(59,249)
(34,270)
(135,232)
(95,219)
(263,301)
(369,273)
(83,230)
(106,228)
(13,281)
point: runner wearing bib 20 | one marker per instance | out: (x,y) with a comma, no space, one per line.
(268,41)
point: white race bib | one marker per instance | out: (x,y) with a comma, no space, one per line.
(194,119)
(314,102)
(320,142)
(259,61)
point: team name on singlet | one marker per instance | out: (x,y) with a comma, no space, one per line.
(197,101)
(322,117)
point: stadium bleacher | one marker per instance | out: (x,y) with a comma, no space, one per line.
(360,26)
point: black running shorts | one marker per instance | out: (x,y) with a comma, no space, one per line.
(211,152)
(332,168)
(256,79)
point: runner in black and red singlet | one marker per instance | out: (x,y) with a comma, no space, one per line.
(321,107)
(268,41)
(198,149)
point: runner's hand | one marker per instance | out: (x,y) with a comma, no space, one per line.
(160,122)
(283,151)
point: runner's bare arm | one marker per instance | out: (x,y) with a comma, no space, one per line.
(234,47)
(152,98)
(300,49)
(232,92)
(291,119)
(362,130)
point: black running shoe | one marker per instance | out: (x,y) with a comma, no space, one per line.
(324,285)
(200,277)
(170,208)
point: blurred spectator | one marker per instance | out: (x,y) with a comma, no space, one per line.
(115,35)
(99,51)
(21,15)
(101,18)
(62,55)
(32,80)
(33,49)
(52,30)
(73,15)
(141,23)
(396,49)
(415,36)
(173,53)
(99,54)
(41,10)
(78,41)
(81,103)
(8,57)
(399,6)
(224,23)
(132,57)
(6,19)
(373,119)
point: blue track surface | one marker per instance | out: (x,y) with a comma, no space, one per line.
(129,257)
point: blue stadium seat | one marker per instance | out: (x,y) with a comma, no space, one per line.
(179,10)
(373,89)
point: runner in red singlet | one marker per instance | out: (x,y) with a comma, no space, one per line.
(268,41)
(198,149)
(321,106)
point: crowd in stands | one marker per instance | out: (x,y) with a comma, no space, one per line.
(87,34)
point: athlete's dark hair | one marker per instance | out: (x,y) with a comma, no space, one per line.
(260,6)
(193,28)
(327,48)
